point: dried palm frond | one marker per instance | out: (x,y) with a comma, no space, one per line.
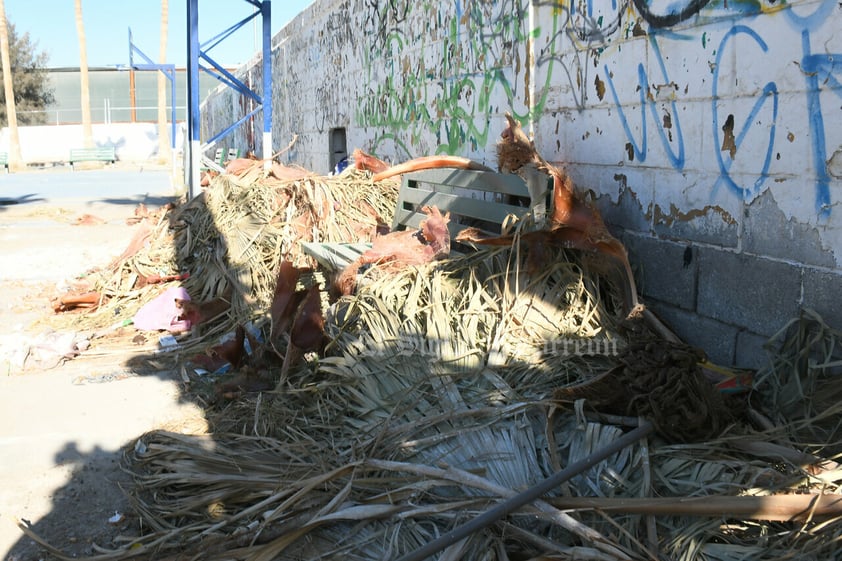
(433,403)
(235,234)
(801,386)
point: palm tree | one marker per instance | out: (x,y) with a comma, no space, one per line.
(87,132)
(163,137)
(15,159)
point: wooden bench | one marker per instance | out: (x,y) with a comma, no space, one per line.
(4,160)
(481,199)
(100,154)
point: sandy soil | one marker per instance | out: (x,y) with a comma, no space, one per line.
(62,429)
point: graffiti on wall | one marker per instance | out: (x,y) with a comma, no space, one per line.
(449,87)
(820,72)
(730,142)
(437,76)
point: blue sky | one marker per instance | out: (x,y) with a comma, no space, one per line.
(52,24)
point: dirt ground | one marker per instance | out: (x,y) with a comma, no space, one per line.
(62,428)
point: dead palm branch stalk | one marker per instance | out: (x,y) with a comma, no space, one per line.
(782,508)
(533,494)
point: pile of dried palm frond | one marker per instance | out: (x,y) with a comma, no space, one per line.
(233,237)
(434,402)
(447,389)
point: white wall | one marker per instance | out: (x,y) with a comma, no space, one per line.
(52,143)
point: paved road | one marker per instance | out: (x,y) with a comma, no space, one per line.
(37,207)
(119,185)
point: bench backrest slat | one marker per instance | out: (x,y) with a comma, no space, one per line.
(474,198)
(103,152)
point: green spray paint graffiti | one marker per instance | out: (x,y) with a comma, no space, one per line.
(481,66)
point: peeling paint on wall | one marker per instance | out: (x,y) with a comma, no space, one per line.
(728,140)
(834,165)
(675,215)
(768,231)
(600,88)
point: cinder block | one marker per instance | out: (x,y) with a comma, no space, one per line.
(823,293)
(768,232)
(750,351)
(715,338)
(758,294)
(666,271)
(587,141)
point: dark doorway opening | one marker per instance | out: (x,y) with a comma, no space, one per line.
(338,149)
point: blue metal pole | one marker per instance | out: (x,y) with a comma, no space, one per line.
(193,122)
(231,128)
(266,10)
(227,78)
(206,46)
(171,74)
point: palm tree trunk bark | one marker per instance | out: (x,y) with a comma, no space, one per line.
(15,159)
(87,130)
(164,151)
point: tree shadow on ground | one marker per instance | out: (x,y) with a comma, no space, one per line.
(25,199)
(140,199)
(92,510)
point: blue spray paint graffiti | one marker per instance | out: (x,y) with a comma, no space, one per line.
(640,150)
(818,70)
(770,89)
(437,78)
(821,73)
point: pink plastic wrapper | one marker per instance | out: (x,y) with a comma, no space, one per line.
(161,314)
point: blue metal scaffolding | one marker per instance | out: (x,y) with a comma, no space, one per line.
(169,72)
(197,52)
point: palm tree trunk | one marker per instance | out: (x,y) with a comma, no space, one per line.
(164,154)
(15,159)
(87,131)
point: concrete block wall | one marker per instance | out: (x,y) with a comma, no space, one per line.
(707,130)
